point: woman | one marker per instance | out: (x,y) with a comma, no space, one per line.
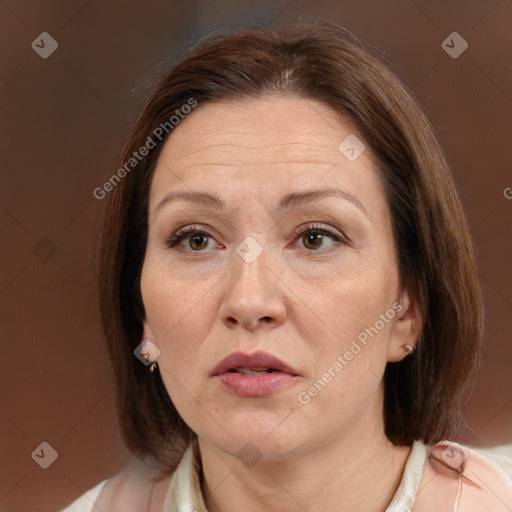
(284,228)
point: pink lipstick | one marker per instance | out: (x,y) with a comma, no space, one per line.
(253,375)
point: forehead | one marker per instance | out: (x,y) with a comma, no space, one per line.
(277,142)
(282,123)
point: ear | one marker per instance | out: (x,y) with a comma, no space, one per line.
(147,333)
(406,325)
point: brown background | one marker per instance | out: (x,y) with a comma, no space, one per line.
(62,122)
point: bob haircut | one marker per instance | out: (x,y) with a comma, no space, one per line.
(424,393)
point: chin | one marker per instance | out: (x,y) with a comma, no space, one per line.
(261,448)
(259,434)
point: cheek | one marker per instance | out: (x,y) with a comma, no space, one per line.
(353,299)
(180,314)
(348,325)
(349,359)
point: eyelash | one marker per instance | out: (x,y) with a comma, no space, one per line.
(182,233)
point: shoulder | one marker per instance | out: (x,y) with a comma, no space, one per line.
(85,502)
(456,477)
(134,489)
(130,490)
(500,455)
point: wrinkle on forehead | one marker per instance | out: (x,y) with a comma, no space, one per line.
(227,130)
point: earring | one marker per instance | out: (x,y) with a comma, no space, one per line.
(408,349)
(147,352)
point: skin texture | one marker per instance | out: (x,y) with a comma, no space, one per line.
(304,300)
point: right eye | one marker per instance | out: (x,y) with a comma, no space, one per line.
(197,239)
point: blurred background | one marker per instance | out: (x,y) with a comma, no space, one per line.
(73,77)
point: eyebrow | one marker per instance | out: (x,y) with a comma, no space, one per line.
(292,200)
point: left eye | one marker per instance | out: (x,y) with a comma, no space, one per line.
(314,237)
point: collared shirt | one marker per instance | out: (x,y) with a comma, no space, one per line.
(185,494)
(445,477)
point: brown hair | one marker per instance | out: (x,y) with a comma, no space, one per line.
(424,393)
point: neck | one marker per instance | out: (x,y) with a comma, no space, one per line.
(358,471)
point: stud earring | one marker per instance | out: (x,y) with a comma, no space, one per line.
(408,349)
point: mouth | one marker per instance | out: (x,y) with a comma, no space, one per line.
(258,363)
(252,371)
(253,375)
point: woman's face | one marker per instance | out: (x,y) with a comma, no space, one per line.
(272,266)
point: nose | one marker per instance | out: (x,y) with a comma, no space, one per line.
(252,297)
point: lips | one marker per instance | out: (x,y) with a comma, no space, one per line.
(257,363)
(253,375)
